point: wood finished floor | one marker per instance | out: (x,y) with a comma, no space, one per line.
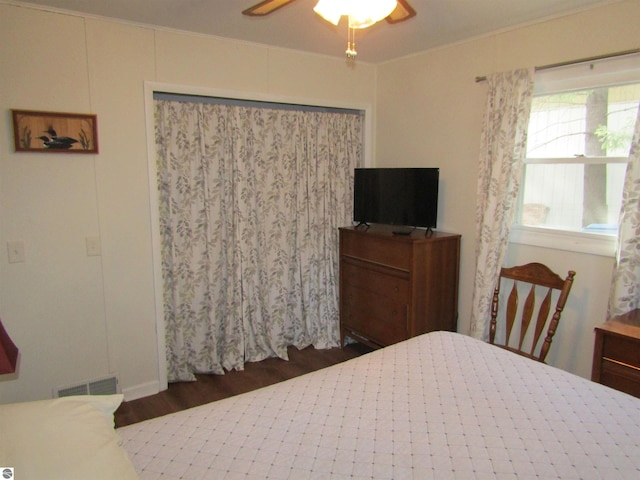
(183,395)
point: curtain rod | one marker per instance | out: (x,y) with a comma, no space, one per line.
(573,62)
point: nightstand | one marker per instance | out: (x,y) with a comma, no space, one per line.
(616,356)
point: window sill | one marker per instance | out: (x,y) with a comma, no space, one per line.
(591,243)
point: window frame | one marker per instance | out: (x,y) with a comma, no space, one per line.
(610,71)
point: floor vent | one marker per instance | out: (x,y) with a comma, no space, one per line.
(99,386)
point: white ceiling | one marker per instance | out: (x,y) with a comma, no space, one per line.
(296,26)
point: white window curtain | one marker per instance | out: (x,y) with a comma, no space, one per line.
(502,153)
(625,285)
(250,202)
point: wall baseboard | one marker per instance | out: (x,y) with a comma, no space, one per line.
(140,391)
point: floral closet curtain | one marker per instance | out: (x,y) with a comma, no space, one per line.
(250,202)
(625,288)
(502,153)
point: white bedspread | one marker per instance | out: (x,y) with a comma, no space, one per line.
(438,406)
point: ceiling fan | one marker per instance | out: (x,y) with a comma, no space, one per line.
(402,12)
(360,13)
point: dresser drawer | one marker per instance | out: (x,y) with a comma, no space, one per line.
(621,349)
(380,250)
(381,319)
(620,376)
(389,283)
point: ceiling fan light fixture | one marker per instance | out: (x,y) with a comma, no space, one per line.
(330,10)
(361,13)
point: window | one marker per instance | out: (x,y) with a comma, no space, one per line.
(580,130)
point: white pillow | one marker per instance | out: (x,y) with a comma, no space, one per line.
(66,438)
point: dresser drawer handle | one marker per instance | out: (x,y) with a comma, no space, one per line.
(396,289)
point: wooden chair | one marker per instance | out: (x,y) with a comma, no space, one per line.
(539,279)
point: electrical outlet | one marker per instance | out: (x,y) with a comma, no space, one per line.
(16,252)
(93,246)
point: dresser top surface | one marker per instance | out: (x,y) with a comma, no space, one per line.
(387,231)
(627,324)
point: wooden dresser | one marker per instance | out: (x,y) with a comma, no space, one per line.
(616,356)
(393,287)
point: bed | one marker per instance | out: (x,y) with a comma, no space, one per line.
(442,405)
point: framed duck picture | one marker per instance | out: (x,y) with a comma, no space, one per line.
(54,132)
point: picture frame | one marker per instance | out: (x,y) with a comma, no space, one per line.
(54,132)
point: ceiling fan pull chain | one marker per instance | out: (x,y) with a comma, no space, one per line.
(351,44)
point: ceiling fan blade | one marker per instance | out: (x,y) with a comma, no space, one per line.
(403,12)
(265,7)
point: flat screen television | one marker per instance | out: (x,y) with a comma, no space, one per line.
(407,197)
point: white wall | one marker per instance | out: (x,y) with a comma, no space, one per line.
(430,109)
(76,317)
